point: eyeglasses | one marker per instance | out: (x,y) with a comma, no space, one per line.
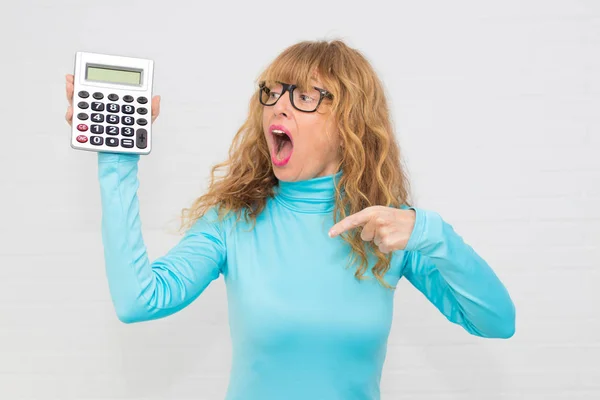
(307,101)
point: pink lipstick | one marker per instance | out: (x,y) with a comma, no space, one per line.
(283,145)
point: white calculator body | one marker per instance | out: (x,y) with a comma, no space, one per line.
(112,100)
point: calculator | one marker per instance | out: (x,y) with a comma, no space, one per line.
(112,102)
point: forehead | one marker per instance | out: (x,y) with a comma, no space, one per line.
(291,72)
(311,83)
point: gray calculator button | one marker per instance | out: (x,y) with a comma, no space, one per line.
(141,138)
(127,109)
(142,121)
(112,141)
(97,106)
(127,99)
(112,107)
(142,100)
(127,131)
(97,117)
(113,97)
(127,143)
(97,140)
(83,94)
(82,116)
(142,111)
(112,130)
(98,96)
(83,105)
(97,128)
(112,119)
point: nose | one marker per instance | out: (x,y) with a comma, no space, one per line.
(283,105)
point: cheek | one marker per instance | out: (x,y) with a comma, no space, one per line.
(316,139)
(329,138)
(317,135)
(321,129)
(319,145)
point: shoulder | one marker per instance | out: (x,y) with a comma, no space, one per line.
(214,219)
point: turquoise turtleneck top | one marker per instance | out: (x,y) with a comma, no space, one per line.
(302,327)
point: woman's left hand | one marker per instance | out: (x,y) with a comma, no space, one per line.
(388,227)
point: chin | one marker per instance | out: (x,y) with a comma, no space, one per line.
(283,174)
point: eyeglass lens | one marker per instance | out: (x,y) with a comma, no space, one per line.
(303,100)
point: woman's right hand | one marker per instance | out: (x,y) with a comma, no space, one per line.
(70,87)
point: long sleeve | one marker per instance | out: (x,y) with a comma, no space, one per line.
(456,279)
(142,290)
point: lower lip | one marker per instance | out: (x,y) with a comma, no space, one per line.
(280,163)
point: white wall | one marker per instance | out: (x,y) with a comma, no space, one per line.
(496,105)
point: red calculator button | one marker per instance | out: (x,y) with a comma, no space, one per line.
(82,138)
(82,127)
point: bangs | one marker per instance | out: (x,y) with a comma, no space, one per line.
(300,66)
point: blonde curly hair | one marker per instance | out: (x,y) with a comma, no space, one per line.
(372,170)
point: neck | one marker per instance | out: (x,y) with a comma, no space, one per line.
(315,195)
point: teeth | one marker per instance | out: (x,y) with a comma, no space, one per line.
(278,132)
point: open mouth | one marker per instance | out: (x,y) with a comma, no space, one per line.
(282,146)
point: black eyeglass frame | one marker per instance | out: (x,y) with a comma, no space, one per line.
(290,88)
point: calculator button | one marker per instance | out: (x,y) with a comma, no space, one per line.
(128,120)
(82,116)
(82,138)
(141,138)
(127,109)
(127,143)
(113,97)
(83,105)
(112,107)
(112,141)
(127,131)
(112,119)
(127,99)
(112,130)
(98,96)
(97,128)
(97,106)
(97,140)
(142,121)
(83,94)
(142,111)
(142,100)
(82,127)
(97,117)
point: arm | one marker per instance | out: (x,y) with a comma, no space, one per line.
(456,279)
(142,290)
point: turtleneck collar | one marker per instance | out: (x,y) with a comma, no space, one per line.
(315,195)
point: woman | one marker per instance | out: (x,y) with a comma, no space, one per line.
(313,177)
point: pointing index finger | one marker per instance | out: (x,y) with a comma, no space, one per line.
(351,221)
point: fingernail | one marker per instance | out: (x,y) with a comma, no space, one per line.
(331,233)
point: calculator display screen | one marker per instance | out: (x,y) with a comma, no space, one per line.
(113,75)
